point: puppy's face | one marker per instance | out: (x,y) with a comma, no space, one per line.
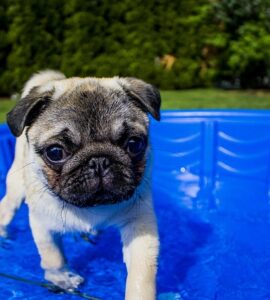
(95,147)
(91,141)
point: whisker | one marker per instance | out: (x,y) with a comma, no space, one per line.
(20,169)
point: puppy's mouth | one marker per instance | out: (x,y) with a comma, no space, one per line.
(97,198)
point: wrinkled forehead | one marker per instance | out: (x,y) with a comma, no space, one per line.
(95,112)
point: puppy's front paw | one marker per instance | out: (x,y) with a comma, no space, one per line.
(64,279)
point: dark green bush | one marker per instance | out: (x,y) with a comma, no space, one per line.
(211,41)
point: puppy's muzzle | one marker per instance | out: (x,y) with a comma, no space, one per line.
(98,179)
(99,165)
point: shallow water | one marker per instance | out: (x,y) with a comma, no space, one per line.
(213,254)
(211,193)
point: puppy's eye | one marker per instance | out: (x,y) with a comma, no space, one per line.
(136,145)
(55,153)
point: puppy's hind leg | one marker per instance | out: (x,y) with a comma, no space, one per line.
(12,200)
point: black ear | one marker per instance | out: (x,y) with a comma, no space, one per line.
(145,94)
(27,110)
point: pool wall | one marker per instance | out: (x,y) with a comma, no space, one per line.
(204,154)
(202,149)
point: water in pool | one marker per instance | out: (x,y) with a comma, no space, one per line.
(211,254)
(211,194)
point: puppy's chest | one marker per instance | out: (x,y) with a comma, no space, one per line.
(61,217)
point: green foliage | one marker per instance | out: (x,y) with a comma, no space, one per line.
(4,46)
(245,57)
(209,40)
(34,39)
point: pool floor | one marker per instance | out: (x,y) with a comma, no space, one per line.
(213,253)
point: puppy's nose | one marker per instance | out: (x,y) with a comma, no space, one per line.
(100,165)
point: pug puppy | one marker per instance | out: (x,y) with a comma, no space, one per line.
(82,163)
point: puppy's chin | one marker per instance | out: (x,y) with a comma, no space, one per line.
(98,198)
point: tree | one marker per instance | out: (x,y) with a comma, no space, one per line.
(4,46)
(246,54)
(34,37)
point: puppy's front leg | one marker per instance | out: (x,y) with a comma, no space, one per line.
(14,196)
(52,259)
(140,249)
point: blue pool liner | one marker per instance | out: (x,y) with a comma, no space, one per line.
(211,187)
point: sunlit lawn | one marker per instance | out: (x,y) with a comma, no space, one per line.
(214,98)
(195,99)
(5,106)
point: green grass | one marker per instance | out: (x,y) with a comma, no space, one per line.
(5,106)
(194,99)
(214,98)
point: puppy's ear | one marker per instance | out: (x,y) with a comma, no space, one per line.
(146,95)
(27,110)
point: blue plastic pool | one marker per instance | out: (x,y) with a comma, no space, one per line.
(211,194)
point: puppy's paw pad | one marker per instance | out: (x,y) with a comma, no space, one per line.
(64,279)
